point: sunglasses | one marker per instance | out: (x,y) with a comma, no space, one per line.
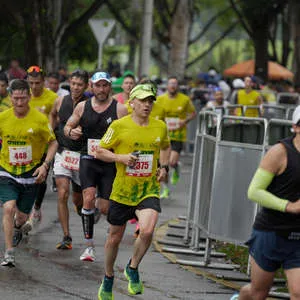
(35,69)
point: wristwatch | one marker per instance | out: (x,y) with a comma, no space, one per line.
(165,167)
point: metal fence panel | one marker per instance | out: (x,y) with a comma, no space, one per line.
(231,213)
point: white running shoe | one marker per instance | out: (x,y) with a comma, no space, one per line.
(9,259)
(35,216)
(89,254)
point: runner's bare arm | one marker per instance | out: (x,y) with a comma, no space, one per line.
(121,110)
(109,156)
(72,130)
(53,116)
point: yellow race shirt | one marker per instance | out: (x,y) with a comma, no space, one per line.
(5,103)
(157,112)
(23,140)
(133,185)
(176,109)
(44,102)
(245,99)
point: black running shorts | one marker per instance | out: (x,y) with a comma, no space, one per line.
(95,173)
(119,214)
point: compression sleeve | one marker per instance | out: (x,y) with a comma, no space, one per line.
(257,191)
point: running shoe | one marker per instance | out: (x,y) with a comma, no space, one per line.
(89,254)
(35,216)
(235,297)
(65,244)
(9,259)
(17,237)
(165,193)
(97,215)
(135,286)
(105,290)
(175,177)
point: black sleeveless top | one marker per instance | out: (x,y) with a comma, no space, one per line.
(64,113)
(285,186)
(94,124)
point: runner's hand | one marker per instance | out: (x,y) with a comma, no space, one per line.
(162,175)
(127,159)
(75,133)
(293,207)
(40,173)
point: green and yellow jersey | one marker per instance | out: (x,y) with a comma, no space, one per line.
(5,103)
(133,185)
(176,109)
(246,99)
(44,102)
(23,140)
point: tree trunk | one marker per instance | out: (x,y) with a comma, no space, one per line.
(286,35)
(260,39)
(179,30)
(295,27)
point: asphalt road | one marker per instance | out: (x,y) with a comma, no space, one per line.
(42,272)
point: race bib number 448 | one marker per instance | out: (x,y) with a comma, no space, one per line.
(20,156)
(143,166)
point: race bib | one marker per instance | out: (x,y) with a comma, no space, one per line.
(70,160)
(93,144)
(20,156)
(172,123)
(143,166)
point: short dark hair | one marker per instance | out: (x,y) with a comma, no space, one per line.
(129,76)
(3,77)
(82,74)
(54,75)
(172,77)
(19,84)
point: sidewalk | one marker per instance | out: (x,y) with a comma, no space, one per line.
(42,272)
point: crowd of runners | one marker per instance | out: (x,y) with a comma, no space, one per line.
(113,150)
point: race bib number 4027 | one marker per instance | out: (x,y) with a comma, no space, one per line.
(20,156)
(142,167)
(70,160)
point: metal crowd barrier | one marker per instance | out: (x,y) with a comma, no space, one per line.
(289,112)
(272,111)
(228,151)
(288,99)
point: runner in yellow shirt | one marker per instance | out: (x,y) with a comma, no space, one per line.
(179,111)
(138,142)
(249,97)
(25,133)
(42,99)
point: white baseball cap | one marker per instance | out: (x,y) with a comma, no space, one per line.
(296,115)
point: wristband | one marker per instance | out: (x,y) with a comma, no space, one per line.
(166,167)
(45,165)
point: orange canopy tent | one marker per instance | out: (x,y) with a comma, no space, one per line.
(246,68)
